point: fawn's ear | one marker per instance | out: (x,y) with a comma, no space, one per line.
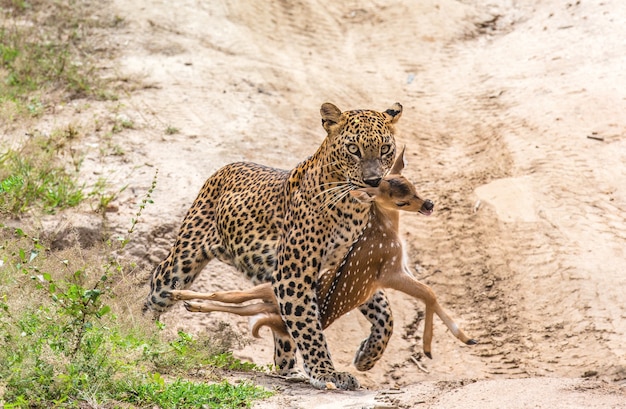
(362,195)
(399,163)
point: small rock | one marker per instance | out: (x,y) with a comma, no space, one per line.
(589,374)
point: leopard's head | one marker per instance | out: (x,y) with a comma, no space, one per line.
(361,144)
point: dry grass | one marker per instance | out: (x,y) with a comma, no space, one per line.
(49,53)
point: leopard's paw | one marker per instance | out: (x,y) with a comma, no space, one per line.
(366,356)
(335,380)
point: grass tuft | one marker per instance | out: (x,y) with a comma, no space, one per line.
(33,175)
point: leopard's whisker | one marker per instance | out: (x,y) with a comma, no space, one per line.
(328,202)
(333,183)
(337,197)
(329,187)
(331,190)
(340,197)
(329,164)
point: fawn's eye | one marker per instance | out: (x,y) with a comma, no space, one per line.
(402,204)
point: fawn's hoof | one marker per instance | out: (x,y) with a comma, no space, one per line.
(193,306)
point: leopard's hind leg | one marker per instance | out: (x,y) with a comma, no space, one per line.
(197,243)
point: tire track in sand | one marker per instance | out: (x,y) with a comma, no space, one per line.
(565,259)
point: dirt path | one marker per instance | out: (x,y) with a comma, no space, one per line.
(527,245)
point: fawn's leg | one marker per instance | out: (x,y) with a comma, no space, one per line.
(242,310)
(260,292)
(404,281)
(284,347)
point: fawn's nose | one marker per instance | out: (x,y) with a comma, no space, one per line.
(428,206)
(373,182)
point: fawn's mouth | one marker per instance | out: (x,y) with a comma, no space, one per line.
(427,208)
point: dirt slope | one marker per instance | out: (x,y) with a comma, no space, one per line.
(527,245)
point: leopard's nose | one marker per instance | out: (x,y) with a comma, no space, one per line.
(373,182)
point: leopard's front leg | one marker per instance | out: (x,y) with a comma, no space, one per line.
(285,356)
(378,312)
(297,269)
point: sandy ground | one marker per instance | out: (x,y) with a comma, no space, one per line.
(515,125)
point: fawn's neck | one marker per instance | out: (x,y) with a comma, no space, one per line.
(386,219)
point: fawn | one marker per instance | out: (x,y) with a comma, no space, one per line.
(376,260)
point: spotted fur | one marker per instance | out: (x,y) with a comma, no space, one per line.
(287,228)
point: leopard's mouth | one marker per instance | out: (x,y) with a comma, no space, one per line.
(353,185)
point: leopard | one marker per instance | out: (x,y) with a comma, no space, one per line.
(288,227)
(377,260)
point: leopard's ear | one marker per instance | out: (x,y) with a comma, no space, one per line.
(330,115)
(394,113)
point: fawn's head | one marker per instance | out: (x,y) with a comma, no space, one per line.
(395,192)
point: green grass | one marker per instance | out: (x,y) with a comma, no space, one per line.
(185,394)
(71,335)
(68,340)
(171,130)
(47,54)
(43,173)
(34,176)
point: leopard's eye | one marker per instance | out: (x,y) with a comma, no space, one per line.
(385,149)
(353,149)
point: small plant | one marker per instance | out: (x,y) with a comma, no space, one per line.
(171,130)
(226,360)
(122,122)
(103,195)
